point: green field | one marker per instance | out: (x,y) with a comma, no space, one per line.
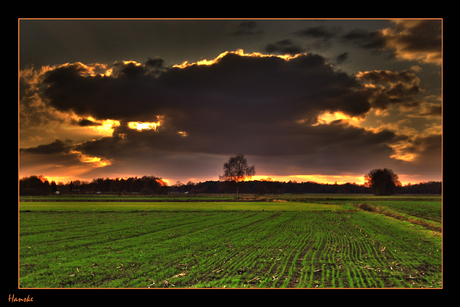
(177,206)
(297,242)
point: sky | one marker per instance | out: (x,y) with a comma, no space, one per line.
(304,100)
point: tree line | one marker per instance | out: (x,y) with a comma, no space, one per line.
(146,185)
(151,185)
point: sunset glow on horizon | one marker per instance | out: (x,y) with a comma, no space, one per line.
(320,179)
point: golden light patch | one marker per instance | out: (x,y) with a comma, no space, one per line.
(95,161)
(404,157)
(239,52)
(327,117)
(142,126)
(162,182)
(132,62)
(106,127)
(101,127)
(108,73)
(400,154)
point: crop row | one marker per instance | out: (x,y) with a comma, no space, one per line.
(225,249)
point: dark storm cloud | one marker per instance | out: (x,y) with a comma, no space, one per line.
(284,47)
(298,148)
(293,139)
(56,147)
(101,97)
(262,106)
(236,88)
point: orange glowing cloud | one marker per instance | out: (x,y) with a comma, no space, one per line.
(100,127)
(132,62)
(107,126)
(239,52)
(141,126)
(94,161)
(401,154)
(408,44)
(326,118)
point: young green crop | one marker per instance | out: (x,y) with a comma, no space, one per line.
(426,209)
(225,249)
(177,206)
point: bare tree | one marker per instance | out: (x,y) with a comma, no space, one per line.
(237,169)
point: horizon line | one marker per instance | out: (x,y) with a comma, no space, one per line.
(167,183)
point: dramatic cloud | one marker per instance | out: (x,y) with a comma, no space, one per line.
(266,106)
(302,149)
(236,88)
(290,114)
(118,90)
(415,40)
(418,40)
(57,147)
(390,87)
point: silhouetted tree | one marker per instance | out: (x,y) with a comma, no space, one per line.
(53,187)
(34,185)
(382,181)
(237,169)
